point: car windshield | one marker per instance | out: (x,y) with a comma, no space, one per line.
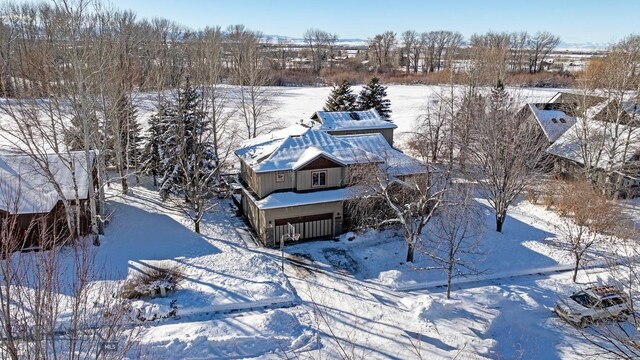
(584,299)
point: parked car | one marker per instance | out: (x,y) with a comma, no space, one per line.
(598,303)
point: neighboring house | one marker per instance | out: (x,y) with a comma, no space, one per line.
(608,148)
(353,123)
(29,193)
(594,132)
(301,175)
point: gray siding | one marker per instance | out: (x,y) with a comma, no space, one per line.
(268,184)
(253,214)
(334,178)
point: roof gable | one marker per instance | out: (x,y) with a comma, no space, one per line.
(313,159)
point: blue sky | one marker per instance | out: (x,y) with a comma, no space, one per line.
(579,21)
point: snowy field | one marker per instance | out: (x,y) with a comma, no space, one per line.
(291,104)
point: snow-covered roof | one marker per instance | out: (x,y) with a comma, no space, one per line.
(289,151)
(311,154)
(554,122)
(396,162)
(350,120)
(285,199)
(556,97)
(631,108)
(293,130)
(25,189)
(597,137)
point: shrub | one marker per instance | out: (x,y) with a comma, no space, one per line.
(149,282)
(548,201)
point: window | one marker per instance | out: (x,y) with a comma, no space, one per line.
(584,299)
(553,120)
(611,302)
(354,115)
(318,178)
(562,120)
(279,176)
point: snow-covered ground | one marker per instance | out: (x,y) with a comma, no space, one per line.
(220,272)
(343,298)
(346,304)
(503,313)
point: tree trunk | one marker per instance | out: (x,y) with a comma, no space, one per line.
(499,222)
(125,186)
(575,269)
(449,276)
(410,252)
(197,226)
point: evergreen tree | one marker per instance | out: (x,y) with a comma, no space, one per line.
(188,160)
(74,134)
(130,132)
(374,96)
(341,98)
(498,98)
(151,153)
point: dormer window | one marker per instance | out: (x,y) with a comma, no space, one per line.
(554,120)
(318,178)
(562,120)
(354,116)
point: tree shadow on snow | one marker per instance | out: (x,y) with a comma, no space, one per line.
(525,327)
(146,235)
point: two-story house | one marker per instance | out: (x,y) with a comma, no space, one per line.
(299,175)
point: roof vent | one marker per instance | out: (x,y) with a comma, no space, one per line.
(562,120)
(354,115)
(554,120)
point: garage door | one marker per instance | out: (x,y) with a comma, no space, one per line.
(309,227)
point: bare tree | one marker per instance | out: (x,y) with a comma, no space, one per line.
(539,46)
(506,151)
(590,219)
(254,99)
(320,45)
(455,236)
(432,131)
(410,41)
(382,198)
(488,56)
(519,42)
(217,107)
(51,305)
(605,140)
(382,47)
